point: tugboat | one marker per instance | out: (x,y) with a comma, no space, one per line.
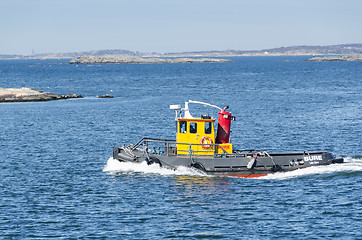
(197,146)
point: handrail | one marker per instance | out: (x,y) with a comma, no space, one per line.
(152,140)
(173,141)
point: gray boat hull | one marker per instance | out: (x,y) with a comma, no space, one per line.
(247,163)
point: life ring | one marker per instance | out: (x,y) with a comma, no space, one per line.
(206,142)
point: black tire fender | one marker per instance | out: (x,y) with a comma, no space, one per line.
(198,166)
(153,160)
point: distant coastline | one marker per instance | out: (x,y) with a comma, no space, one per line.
(331,50)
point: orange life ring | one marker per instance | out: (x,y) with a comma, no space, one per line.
(206,142)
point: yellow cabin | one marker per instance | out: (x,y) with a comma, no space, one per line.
(197,135)
(195,131)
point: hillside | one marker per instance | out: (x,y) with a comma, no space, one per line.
(342,49)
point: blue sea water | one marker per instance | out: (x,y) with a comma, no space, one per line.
(58,180)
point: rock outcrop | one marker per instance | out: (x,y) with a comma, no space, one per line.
(30,95)
(335,58)
(110,59)
(105,96)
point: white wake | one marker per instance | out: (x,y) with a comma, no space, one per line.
(349,165)
(114,166)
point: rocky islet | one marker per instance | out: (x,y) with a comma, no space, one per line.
(335,59)
(139,60)
(30,95)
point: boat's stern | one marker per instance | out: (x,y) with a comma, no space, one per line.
(124,154)
(116,150)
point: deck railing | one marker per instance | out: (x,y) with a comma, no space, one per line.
(169,143)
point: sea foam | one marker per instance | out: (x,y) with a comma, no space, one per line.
(114,166)
(350,165)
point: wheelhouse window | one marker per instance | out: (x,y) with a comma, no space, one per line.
(193,127)
(183,126)
(208,127)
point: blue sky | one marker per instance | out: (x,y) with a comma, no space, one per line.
(175,26)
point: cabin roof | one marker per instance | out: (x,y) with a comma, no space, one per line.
(196,119)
